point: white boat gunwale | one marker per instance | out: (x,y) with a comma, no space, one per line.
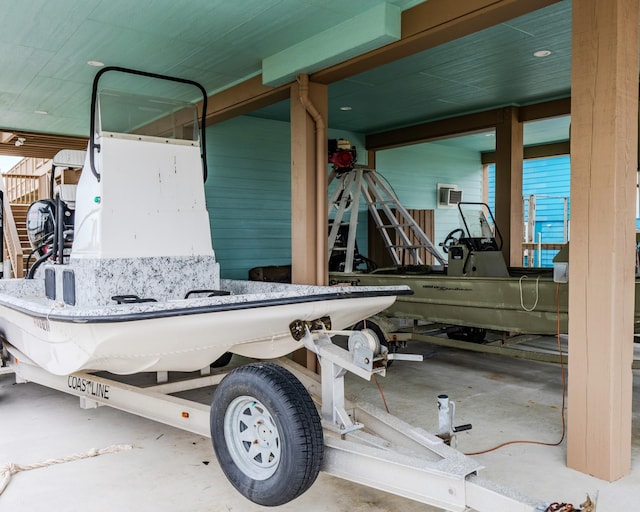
(155,310)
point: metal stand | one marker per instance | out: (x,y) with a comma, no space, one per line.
(401,234)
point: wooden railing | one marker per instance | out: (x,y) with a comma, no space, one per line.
(27,181)
(25,188)
(529,249)
(11,238)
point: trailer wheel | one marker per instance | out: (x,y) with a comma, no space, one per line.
(266,433)
(471,334)
(222,361)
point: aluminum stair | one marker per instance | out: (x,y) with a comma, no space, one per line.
(401,235)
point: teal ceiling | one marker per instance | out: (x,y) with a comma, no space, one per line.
(494,67)
(46,46)
(487,69)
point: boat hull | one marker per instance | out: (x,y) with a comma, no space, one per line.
(182,336)
(531,304)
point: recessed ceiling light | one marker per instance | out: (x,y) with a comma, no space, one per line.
(346,107)
(95,63)
(542,53)
(41,112)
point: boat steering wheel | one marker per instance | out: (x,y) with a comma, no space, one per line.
(451,239)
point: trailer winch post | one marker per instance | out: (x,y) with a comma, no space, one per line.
(335,362)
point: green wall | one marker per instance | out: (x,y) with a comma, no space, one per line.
(415,171)
(248,194)
(249,186)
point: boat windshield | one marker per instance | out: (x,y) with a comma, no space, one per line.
(127,113)
(477,220)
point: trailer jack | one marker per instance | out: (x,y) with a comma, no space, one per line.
(446,419)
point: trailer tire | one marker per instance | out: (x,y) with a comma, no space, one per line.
(222,361)
(470,334)
(266,433)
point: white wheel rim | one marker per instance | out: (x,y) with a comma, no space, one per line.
(252,438)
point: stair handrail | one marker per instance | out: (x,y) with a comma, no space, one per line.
(11,238)
(26,188)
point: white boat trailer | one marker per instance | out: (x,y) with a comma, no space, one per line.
(362,444)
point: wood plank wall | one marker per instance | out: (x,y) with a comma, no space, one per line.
(378,252)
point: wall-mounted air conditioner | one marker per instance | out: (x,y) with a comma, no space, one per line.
(448,195)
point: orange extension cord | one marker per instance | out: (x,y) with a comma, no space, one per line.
(564,386)
(553,507)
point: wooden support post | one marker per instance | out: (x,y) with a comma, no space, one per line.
(309,169)
(485,183)
(309,250)
(371,159)
(509,156)
(604,111)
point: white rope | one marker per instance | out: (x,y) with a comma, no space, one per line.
(10,469)
(537,293)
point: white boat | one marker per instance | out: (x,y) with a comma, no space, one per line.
(132,284)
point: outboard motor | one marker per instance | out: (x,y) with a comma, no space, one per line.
(50,231)
(41,225)
(65,220)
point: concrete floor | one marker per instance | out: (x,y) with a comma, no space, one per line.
(173,470)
